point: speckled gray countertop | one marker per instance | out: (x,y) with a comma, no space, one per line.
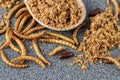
(59,70)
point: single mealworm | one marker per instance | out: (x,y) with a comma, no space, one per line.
(31,36)
(20,43)
(37,50)
(13,10)
(31,58)
(57,50)
(33,22)
(5,28)
(59,42)
(4,58)
(8,38)
(24,9)
(116,5)
(19,20)
(62,37)
(115,61)
(35,29)
(49,37)
(75,33)
(23,21)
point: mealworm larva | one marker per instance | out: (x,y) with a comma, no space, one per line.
(24,9)
(14,48)
(8,38)
(37,50)
(5,28)
(19,20)
(31,36)
(59,42)
(20,43)
(35,29)
(116,62)
(61,36)
(29,58)
(57,50)
(49,37)
(116,7)
(14,9)
(4,58)
(33,22)
(75,33)
(23,21)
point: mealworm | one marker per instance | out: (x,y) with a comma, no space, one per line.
(23,21)
(37,50)
(57,50)
(111,59)
(33,22)
(24,9)
(49,37)
(14,9)
(4,58)
(18,21)
(8,38)
(31,36)
(116,7)
(14,48)
(20,43)
(75,33)
(59,42)
(5,28)
(61,36)
(29,58)
(35,29)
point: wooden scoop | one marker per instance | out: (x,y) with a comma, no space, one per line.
(81,5)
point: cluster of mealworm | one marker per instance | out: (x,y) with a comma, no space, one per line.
(22,32)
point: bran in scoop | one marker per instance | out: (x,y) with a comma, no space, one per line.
(56,13)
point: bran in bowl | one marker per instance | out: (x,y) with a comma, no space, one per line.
(56,13)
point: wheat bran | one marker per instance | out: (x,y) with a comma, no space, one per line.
(56,13)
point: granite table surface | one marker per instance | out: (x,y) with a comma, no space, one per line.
(59,70)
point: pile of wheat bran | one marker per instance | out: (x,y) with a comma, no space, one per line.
(102,36)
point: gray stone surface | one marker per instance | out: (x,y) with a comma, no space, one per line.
(59,70)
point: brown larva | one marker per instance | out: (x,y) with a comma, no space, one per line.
(59,42)
(49,37)
(24,9)
(35,29)
(75,33)
(31,58)
(4,58)
(57,50)
(19,20)
(23,21)
(33,22)
(37,50)
(14,9)
(62,37)
(31,36)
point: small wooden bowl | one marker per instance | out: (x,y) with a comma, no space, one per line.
(82,6)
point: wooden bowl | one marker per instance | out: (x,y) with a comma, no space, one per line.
(82,6)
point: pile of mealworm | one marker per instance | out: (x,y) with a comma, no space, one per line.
(21,32)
